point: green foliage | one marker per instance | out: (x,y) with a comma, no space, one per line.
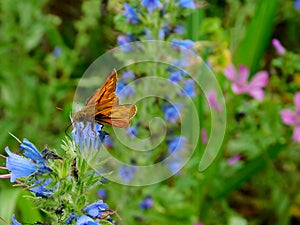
(45,49)
(257,36)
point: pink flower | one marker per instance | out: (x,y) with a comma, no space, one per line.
(278,46)
(234,159)
(240,82)
(292,118)
(204,136)
(213,102)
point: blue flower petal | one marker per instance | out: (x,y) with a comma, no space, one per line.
(151,4)
(31,152)
(126,173)
(176,144)
(132,132)
(87,135)
(183,43)
(19,166)
(147,203)
(130,14)
(96,209)
(14,221)
(71,218)
(187,4)
(189,88)
(41,189)
(85,220)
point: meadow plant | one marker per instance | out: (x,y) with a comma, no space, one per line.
(189,184)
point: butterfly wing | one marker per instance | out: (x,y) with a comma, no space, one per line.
(105,95)
(104,105)
(118,115)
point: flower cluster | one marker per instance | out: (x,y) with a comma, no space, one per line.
(124,89)
(175,146)
(98,210)
(159,20)
(43,174)
(30,166)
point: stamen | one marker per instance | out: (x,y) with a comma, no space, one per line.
(4,221)
(18,140)
(3,156)
(4,176)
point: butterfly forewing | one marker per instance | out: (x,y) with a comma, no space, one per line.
(106,93)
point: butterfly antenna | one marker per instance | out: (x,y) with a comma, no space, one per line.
(18,140)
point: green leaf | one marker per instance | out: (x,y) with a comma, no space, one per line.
(29,212)
(258,34)
(226,185)
(8,200)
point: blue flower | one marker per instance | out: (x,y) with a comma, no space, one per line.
(175,77)
(123,41)
(187,4)
(14,221)
(130,14)
(179,29)
(172,115)
(96,209)
(127,76)
(189,87)
(108,143)
(19,166)
(172,112)
(164,32)
(297,4)
(176,144)
(31,152)
(175,164)
(105,139)
(71,218)
(151,4)
(87,135)
(119,87)
(132,132)
(124,91)
(167,30)
(183,62)
(40,189)
(147,203)
(85,220)
(126,173)
(183,43)
(57,51)
(102,194)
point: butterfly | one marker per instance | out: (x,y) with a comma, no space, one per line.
(103,106)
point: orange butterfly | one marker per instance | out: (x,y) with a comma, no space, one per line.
(104,108)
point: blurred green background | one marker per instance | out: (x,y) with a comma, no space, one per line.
(46,45)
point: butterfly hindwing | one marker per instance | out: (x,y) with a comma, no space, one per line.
(118,115)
